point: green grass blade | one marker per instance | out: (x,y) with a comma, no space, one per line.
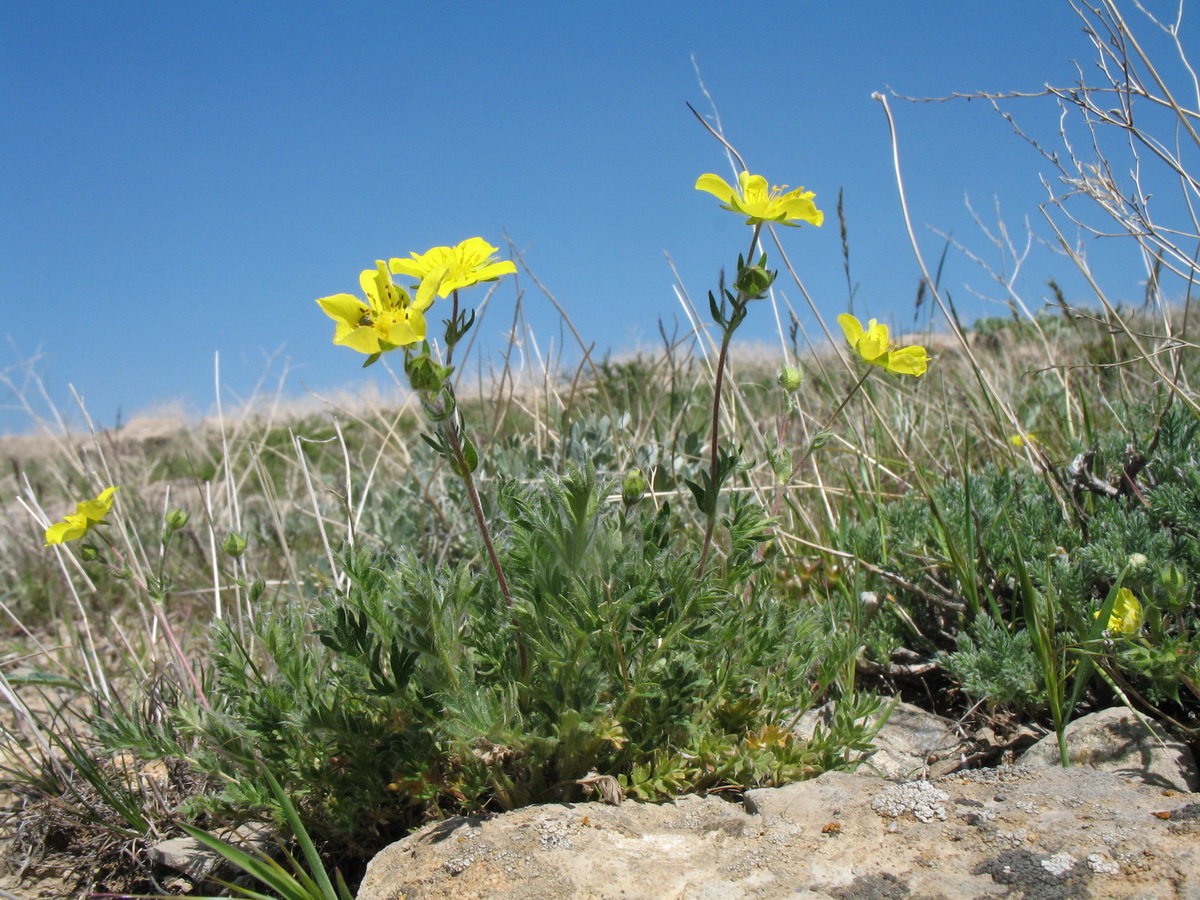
(258,866)
(302,837)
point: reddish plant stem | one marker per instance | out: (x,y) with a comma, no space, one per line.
(718,381)
(454,444)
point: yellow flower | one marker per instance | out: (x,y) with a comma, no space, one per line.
(753,198)
(1126,616)
(1020,440)
(388,319)
(87,514)
(469,263)
(874,346)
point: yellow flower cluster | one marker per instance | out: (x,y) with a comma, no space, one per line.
(393,317)
(87,514)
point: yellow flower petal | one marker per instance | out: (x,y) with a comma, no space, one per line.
(87,513)
(377,285)
(717,186)
(497,269)
(908,361)
(364,339)
(474,250)
(1126,615)
(802,207)
(344,308)
(428,288)
(852,328)
(68,530)
(467,263)
(405,329)
(756,194)
(96,510)
(379,324)
(874,346)
(413,268)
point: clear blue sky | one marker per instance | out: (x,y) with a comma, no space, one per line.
(184,178)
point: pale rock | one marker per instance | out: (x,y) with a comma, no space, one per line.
(1012,831)
(194,860)
(185,855)
(1115,740)
(911,744)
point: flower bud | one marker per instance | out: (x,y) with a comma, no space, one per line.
(425,375)
(1175,584)
(790,377)
(752,281)
(1138,561)
(234,544)
(177,518)
(633,487)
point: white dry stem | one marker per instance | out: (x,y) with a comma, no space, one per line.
(340,579)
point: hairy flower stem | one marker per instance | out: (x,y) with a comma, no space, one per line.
(715,463)
(158,603)
(714,449)
(454,442)
(459,460)
(180,658)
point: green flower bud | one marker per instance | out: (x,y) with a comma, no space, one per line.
(234,544)
(633,487)
(177,518)
(790,377)
(425,375)
(1175,584)
(88,553)
(1138,561)
(753,281)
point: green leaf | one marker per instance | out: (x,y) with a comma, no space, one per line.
(46,679)
(470,454)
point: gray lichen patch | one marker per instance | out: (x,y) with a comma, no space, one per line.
(918,798)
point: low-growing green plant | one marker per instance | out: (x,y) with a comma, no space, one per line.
(1036,566)
(996,665)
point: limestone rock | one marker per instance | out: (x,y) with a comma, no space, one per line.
(197,862)
(1014,831)
(1114,740)
(912,743)
(185,855)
